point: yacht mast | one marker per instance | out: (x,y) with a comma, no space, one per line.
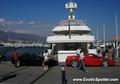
(71,7)
(104,36)
(116,35)
(97,36)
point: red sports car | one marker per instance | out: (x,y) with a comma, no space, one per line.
(90,60)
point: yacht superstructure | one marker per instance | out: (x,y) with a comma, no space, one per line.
(70,34)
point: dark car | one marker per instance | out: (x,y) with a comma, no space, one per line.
(30,59)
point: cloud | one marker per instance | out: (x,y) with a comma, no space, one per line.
(1,20)
(31,22)
(20,22)
(10,23)
(4,22)
(21,31)
(21,26)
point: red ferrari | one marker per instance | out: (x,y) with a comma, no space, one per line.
(90,60)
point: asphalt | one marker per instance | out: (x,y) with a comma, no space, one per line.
(36,75)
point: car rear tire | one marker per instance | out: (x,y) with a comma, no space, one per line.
(104,63)
(74,63)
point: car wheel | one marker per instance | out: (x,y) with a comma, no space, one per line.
(74,63)
(104,63)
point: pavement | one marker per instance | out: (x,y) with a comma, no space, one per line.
(36,75)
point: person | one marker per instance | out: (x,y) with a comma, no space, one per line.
(0,58)
(45,62)
(80,52)
(99,53)
(110,52)
(113,54)
(106,54)
(15,57)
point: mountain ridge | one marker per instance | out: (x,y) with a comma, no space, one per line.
(20,36)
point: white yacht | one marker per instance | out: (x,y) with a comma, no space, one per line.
(70,35)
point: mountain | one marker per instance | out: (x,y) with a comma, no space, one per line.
(20,36)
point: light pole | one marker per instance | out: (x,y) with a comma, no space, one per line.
(104,35)
(97,36)
(116,35)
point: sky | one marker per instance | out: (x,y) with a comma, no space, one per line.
(39,17)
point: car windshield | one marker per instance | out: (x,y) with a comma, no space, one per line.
(93,55)
(27,55)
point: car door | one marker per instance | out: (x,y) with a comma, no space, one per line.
(33,59)
(26,58)
(92,59)
(37,59)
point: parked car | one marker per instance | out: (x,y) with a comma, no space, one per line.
(90,60)
(30,59)
(34,59)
